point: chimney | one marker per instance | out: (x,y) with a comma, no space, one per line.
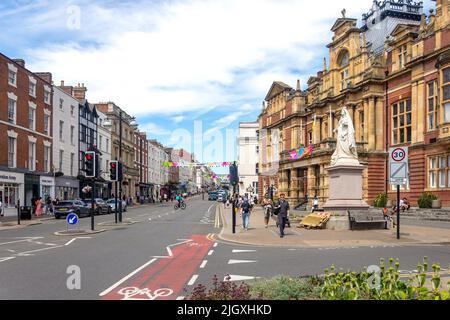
(47,76)
(298,85)
(20,62)
(79,92)
(66,89)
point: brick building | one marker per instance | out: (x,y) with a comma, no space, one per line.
(145,188)
(25,134)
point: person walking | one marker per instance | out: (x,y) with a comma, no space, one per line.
(268,205)
(246,208)
(315,203)
(1,209)
(39,207)
(283,213)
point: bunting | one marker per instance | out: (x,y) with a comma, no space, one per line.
(194,164)
(301,153)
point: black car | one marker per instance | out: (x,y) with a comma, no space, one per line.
(100,206)
(67,207)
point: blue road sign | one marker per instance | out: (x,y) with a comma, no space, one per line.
(72,219)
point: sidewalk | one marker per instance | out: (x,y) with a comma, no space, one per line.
(299,237)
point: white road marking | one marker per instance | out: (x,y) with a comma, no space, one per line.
(210,252)
(180,298)
(173,245)
(28,253)
(126,278)
(193,279)
(6,259)
(215,244)
(150,219)
(241,261)
(10,250)
(241,251)
(23,240)
(238,278)
(159,216)
(69,242)
(202,266)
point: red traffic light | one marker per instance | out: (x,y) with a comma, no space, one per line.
(113,165)
(88,156)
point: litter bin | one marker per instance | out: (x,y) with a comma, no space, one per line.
(25,212)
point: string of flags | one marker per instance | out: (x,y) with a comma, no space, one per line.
(194,164)
(301,153)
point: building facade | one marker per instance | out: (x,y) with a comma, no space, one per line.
(65,144)
(105,189)
(26,134)
(126,153)
(355,77)
(141,163)
(248,150)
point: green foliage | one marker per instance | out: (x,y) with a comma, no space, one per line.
(381,200)
(286,288)
(386,285)
(426,199)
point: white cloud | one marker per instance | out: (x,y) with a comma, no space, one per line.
(190,55)
(153,129)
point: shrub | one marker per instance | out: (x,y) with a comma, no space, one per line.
(286,288)
(426,199)
(381,200)
(221,290)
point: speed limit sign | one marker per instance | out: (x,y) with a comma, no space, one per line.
(398,165)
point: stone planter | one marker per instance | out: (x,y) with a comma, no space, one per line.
(436,204)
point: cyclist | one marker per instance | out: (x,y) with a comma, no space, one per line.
(179,198)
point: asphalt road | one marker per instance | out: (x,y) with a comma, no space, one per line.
(163,256)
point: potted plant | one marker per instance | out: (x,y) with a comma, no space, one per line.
(426,200)
(436,204)
(381,200)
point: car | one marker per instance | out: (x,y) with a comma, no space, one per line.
(220,198)
(100,206)
(112,204)
(66,207)
(212,196)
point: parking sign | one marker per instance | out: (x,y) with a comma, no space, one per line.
(398,165)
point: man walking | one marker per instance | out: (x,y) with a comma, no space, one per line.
(245,207)
(283,214)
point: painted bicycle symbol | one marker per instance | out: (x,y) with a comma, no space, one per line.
(133,293)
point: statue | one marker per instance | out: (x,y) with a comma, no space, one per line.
(343,13)
(345,152)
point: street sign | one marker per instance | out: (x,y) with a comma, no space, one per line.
(72,219)
(398,165)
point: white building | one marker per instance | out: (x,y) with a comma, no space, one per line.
(158,174)
(104,146)
(65,146)
(248,157)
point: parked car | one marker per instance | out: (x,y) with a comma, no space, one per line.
(100,206)
(220,198)
(67,207)
(212,196)
(112,204)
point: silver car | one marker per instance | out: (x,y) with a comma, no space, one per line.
(112,204)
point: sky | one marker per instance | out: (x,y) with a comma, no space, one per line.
(188,70)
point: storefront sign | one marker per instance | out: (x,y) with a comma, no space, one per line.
(11,177)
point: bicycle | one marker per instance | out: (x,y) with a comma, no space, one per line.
(181,206)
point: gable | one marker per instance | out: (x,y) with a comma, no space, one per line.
(277,88)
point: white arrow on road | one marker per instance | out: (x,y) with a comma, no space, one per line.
(241,261)
(240,251)
(169,251)
(233,277)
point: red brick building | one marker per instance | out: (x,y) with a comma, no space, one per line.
(141,163)
(25,134)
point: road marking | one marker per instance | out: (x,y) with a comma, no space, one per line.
(150,219)
(23,240)
(180,298)
(215,244)
(238,278)
(69,242)
(210,252)
(159,216)
(193,279)
(241,251)
(28,253)
(173,245)
(10,250)
(241,261)
(202,266)
(127,277)
(6,259)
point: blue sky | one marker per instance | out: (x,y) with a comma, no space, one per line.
(179,63)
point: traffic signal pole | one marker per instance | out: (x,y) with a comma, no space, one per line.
(93,205)
(120,160)
(115,201)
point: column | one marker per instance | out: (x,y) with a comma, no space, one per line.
(366,120)
(414,104)
(294,185)
(311,183)
(371,124)
(321,184)
(357,125)
(380,124)
(419,111)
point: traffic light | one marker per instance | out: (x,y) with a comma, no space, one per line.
(90,164)
(119,171)
(234,177)
(113,170)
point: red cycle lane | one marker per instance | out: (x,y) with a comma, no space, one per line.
(164,277)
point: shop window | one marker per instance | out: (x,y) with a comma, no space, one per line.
(401,122)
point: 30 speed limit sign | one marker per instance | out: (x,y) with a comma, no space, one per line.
(398,165)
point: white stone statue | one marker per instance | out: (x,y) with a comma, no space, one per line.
(345,153)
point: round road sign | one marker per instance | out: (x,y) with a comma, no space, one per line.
(72,219)
(398,155)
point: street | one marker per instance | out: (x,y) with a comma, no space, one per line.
(164,253)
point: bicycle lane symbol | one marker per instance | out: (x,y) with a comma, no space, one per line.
(134,293)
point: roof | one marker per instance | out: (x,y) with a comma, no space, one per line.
(276,88)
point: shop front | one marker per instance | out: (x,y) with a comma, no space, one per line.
(67,188)
(47,187)
(11,190)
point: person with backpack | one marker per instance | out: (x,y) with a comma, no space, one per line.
(246,208)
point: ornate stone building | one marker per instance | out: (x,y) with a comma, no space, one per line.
(355,77)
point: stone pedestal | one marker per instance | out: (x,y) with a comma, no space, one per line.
(345,188)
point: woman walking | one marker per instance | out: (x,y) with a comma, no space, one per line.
(268,205)
(39,207)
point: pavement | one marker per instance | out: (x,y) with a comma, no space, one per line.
(410,234)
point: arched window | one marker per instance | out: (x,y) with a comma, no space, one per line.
(343,61)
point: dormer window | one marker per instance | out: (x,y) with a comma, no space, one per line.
(402,56)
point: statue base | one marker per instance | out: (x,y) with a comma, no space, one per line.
(345,188)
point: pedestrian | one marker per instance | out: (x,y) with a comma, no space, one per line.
(38,207)
(1,209)
(246,209)
(268,205)
(283,213)
(315,203)
(48,204)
